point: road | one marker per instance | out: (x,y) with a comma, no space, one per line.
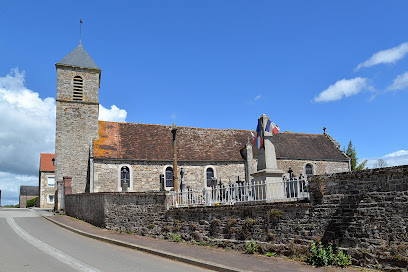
(28,242)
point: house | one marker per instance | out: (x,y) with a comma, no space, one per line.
(109,156)
(27,193)
(46,180)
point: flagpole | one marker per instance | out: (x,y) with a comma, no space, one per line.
(80,30)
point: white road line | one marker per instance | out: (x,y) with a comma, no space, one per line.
(53,252)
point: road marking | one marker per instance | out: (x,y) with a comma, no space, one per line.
(53,252)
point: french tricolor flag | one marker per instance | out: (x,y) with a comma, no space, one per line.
(275,128)
(258,140)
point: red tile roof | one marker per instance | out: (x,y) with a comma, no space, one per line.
(154,142)
(46,162)
(132,141)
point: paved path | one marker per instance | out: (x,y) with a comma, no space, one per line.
(221,260)
(28,242)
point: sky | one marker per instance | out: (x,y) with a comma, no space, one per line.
(342,65)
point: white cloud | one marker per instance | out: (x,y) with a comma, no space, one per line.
(399,157)
(343,88)
(113,114)
(27,125)
(10,186)
(27,129)
(256,98)
(391,55)
(173,116)
(400,82)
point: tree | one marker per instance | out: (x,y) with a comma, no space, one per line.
(380,164)
(351,153)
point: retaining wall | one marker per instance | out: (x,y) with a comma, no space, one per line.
(364,212)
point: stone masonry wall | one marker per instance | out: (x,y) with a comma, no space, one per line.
(76,125)
(145,175)
(364,213)
(65,83)
(118,211)
(46,190)
(319,167)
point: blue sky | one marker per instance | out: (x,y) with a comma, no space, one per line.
(213,64)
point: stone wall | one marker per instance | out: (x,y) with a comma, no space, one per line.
(46,191)
(76,125)
(145,176)
(364,213)
(24,198)
(118,211)
(65,83)
(319,167)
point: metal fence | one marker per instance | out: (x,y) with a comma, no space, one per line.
(284,190)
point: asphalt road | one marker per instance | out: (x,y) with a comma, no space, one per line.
(30,243)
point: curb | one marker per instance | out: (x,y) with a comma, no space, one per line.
(164,254)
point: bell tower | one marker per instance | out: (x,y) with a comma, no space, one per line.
(78,81)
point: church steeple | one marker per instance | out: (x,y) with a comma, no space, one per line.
(78,79)
(79,58)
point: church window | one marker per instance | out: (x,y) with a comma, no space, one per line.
(210,176)
(169,177)
(124,177)
(78,92)
(309,170)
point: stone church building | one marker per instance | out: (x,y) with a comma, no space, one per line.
(105,156)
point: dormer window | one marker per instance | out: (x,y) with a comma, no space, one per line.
(53,162)
(78,91)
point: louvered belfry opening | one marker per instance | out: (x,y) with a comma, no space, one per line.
(78,88)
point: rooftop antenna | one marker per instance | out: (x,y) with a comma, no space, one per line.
(80,30)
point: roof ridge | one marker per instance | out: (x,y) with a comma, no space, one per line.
(177,126)
(303,133)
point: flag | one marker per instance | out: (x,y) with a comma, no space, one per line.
(258,140)
(275,129)
(268,126)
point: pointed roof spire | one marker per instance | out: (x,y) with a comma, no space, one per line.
(79,58)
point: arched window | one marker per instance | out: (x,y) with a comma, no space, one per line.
(210,176)
(78,91)
(169,177)
(309,170)
(124,178)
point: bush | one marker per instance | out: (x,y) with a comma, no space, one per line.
(322,256)
(251,247)
(175,238)
(32,202)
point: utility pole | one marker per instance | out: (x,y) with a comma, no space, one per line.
(175,172)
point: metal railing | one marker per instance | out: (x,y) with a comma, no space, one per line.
(284,190)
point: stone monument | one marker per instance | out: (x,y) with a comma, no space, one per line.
(267,168)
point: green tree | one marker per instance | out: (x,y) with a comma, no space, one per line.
(380,164)
(351,153)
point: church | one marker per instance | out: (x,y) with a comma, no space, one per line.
(103,156)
